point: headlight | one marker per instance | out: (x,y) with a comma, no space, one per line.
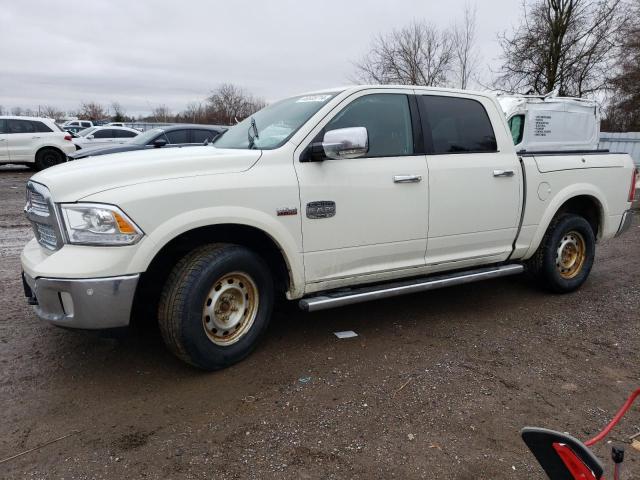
(98,224)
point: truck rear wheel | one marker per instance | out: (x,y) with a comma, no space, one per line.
(565,256)
(215,305)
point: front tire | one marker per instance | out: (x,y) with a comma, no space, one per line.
(565,256)
(216,305)
(48,157)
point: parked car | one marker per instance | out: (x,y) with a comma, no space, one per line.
(36,142)
(93,137)
(174,136)
(329,199)
(77,124)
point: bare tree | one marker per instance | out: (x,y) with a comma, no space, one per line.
(623,110)
(162,114)
(418,54)
(229,104)
(92,111)
(561,45)
(16,111)
(119,113)
(50,111)
(194,113)
(464,48)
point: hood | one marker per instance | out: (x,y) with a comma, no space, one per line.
(72,181)
(86,152)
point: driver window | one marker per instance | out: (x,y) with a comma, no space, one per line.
(387,118)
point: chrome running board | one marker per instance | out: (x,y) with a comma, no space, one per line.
(339,298)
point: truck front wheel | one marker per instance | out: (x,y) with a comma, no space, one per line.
(215,305)
(565,256)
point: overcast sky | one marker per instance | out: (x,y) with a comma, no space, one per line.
(145,53)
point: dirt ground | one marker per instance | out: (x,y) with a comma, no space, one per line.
(436,385)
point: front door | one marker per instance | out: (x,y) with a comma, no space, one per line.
(474,189)
(366,215)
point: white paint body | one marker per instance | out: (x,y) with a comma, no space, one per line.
(93,139)
(23,147)
(460,215)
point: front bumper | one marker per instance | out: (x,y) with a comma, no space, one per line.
(88,303)
(625,223)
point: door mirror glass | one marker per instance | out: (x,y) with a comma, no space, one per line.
(159,142)
(352,142)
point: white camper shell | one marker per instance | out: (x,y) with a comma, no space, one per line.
(552,123)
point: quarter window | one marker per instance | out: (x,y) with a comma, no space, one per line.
(125,133)
(41,127)
(516,125)
(456,125)
(387,118)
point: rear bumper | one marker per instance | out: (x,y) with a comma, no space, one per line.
(89,303)
(625,223)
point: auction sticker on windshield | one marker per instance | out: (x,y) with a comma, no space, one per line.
(314,98)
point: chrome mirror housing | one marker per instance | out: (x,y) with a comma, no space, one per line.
(352,142)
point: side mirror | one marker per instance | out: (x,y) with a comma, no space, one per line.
(352,142)
(159,142)
(89,137)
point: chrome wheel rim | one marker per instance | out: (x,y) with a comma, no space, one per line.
(571,255)
(230,308)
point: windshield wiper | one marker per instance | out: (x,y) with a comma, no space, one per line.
(252,139)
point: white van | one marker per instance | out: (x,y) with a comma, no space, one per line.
(552,123)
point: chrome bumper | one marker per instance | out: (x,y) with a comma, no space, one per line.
(90,303)
(625,223)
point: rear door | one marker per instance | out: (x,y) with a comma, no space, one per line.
(474,189)
(366,215)
(22,139)
(105,137)
(178,137)
(4,141)
(201,135)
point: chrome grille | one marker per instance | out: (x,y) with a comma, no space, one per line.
(41,212)
(46,235)
(38,203)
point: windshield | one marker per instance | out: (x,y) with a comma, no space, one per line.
(146,137)
(272,126)
(86,131)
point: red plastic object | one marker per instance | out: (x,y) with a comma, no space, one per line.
(577,468)
(616,419)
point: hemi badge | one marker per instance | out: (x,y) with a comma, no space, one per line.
(283,212)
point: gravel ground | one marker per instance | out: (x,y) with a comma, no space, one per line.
(436,385)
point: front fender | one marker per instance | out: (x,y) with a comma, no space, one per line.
(204,217)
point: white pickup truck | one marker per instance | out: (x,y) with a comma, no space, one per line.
(329,198)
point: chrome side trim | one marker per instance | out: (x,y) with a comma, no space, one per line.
(625,223)
(339,299)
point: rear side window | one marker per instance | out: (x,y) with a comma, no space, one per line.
(21,126)
(41,127)
(387,118)
(456,125)
(178,136)
(106,133)
(200,136)
(125,134)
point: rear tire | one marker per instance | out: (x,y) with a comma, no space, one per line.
(48,157)
(216,305)
(565,256)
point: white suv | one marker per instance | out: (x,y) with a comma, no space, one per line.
(36,142)
(103,136)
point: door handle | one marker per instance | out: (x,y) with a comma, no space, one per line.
(407,178)
(503,173)
(34,138)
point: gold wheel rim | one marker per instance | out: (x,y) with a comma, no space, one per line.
(571,255)
(230,308)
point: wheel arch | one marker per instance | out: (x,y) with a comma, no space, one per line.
(250,236)
(584,200)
